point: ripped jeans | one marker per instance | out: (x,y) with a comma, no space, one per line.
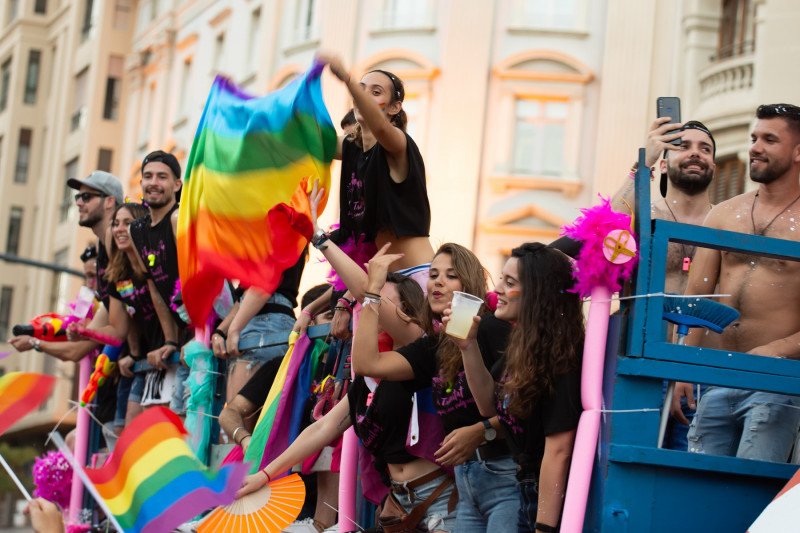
(745,424)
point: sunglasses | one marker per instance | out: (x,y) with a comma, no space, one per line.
(86,196)
(780,109)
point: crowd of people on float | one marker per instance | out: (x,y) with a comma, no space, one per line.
(507,395)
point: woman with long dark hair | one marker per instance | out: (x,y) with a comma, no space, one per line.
(534,388)
(484,469)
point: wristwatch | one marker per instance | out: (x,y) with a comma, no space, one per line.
(489,433)
(319,238)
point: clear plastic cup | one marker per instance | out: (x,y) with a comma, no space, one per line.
(465,306)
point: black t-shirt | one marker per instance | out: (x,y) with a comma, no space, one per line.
(370,200)
(553,414)
(156,245)
(102,264)
(257,387)
(454,401)
(383,425)
(135,297)
(289,287)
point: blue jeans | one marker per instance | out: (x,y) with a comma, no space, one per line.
(675,436)
(177,403)
(437,518)
(528,487)
(137,388)
(487,495)
(745,424)
(123,392)
(267,324)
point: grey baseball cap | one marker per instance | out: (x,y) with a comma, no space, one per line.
(102,181)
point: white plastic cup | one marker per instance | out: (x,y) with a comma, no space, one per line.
(465,306)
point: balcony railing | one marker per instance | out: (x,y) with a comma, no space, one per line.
(730,75)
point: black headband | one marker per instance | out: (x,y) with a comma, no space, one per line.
(395,82)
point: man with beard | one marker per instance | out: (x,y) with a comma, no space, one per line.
(741,423)
(689,167)
(154,237)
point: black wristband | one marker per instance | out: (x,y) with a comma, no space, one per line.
(545,528)
(136,357)
(220,333)
(172,343)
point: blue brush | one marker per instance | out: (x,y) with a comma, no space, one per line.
(691,312)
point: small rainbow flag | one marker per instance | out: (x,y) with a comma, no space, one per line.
(154,483)
(245,213)
(21,393)
(273,429)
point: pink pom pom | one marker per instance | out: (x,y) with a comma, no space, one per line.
(52,475)
(491,300)
(592,267)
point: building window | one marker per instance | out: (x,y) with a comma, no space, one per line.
(60,287)
(728,180)
(547,14)
(23,156)
(14,231)
(403,14)
(70,172)
(78,116)
(40,7)
(104,156)
(305,24)
(219,50)
(32,79)
(113,87)
(185,94)
(5,83)
(737,33)
(13,8)
(539,137)
(122,14)
(252,40)
(6,296)
(88,19)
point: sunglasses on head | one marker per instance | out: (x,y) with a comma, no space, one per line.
(86,196)
(780,109)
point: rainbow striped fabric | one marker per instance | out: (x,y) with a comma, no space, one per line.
(273,432)
(244,212)
(154,483)
(21,393)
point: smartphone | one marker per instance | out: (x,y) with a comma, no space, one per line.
(670,106)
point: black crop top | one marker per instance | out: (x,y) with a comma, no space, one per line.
(370,200)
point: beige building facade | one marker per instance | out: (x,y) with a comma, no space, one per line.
(524,110)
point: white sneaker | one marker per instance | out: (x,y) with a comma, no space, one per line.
(301,526)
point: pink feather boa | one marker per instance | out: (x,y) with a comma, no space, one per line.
(592,269)
(356,249)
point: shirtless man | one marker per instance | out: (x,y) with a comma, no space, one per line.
(690,169)
(755,284)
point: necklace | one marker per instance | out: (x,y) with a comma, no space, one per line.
(753,219)
(688,253)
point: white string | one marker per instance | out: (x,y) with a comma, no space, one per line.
(93,417)
(344,515)
(201,413)
(655,294)
(59,422)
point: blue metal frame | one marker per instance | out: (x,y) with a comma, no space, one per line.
(636,486)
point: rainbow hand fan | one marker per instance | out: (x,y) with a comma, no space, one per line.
(267,510)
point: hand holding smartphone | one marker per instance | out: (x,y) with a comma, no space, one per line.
(670,106)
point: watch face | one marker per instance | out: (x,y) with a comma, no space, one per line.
(490,434)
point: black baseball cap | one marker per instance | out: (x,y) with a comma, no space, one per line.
(163,157)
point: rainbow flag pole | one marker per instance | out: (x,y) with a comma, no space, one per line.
(62,446)
(14,478)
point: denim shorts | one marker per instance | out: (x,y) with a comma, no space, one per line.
(267,324)
(487,495)
(123,393)
(528,486)
(437,518)
(137,388)
(180,394)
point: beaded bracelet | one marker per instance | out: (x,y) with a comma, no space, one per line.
(635,167)
(346,304)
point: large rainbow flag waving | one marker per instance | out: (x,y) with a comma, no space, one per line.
(244,212)
(154,483)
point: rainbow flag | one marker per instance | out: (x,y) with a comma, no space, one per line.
(154,483)
(21,393)
(273,429)
(244,212)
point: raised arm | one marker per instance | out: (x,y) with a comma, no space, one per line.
(656,142)
(480,380)
(391,138)
(311,440)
